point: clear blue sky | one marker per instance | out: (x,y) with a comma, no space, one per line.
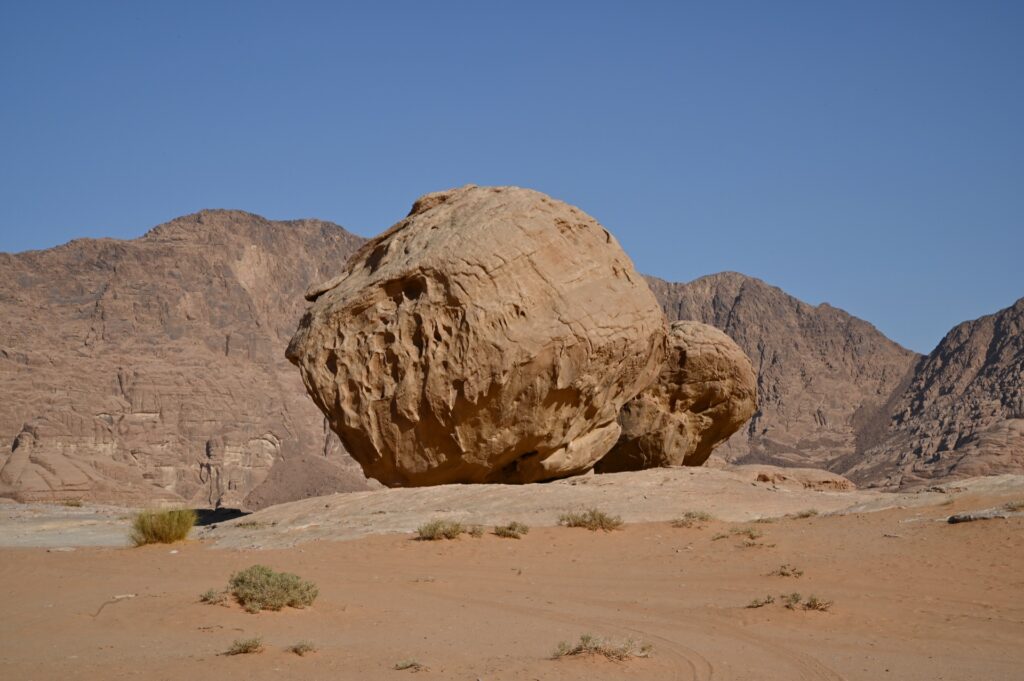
(867,154)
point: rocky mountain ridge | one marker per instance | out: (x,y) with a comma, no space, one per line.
(153,370)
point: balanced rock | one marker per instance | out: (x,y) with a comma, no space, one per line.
(490,336)
(706,392)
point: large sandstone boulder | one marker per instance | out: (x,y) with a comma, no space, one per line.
(490,336)
(706,391)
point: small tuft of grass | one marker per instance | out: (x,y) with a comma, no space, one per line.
(302,648)
(748,532)
(260,588)
(475,531)
(792,600)
(592,645)
(162,527)
(786,570)
(765,521)
(439,529)
(245,646)
(592,519)
(761,602)
(409,665)
(1014,506)
(808,513)
(213,597)
(691,518)
(819,604)
(72,503)
(720,535)
(514,530)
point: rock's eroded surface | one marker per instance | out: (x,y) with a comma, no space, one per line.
(491,336)
(706,391)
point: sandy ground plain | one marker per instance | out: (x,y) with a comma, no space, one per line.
(914,598)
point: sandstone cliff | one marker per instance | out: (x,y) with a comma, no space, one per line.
(153,369)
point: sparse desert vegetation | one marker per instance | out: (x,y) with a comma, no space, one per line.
(245,646)
(691,518)
(1014,506)
(807,513)
(815,603)
(213,596)
(261,588)
(591,519)
(302,648)
(592,645)
(761,602)
(786,570)
(409,666)
(513,530)
(162,527)
(440,529)
(791,600)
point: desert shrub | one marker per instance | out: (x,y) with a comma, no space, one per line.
(720,535)
(691,518)
(786,570)
(809,513)
(1014,506)
(748,532)
(245,646)
(815,603)
(761,602)
(592,645)
(162,527)
(409,665)
(302,648)
(439,529)
(592,519)
(260,588)
(72,503)
(213,597)
(792,600)
(476,531)
(514,530)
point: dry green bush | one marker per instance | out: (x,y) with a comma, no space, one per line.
(245,646)
(786,570)
(260,588)
(691,518)
(476,531)
(72,503)
(439,529)
(409,665)
(213,597)
(809,513)
(514,530)
(162,527)
(1014,506)
(592,519)
(792,600)
(592,645)
(761,602)
(302,648)
(815,603)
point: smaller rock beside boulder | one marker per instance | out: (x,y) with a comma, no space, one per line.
(706,391)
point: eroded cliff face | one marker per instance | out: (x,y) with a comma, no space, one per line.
(962,413)
(824,377)
(153,369)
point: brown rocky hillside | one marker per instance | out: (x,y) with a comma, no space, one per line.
(154,369)
(962,413)
(823,376)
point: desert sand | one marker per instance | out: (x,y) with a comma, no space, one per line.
(914,597)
